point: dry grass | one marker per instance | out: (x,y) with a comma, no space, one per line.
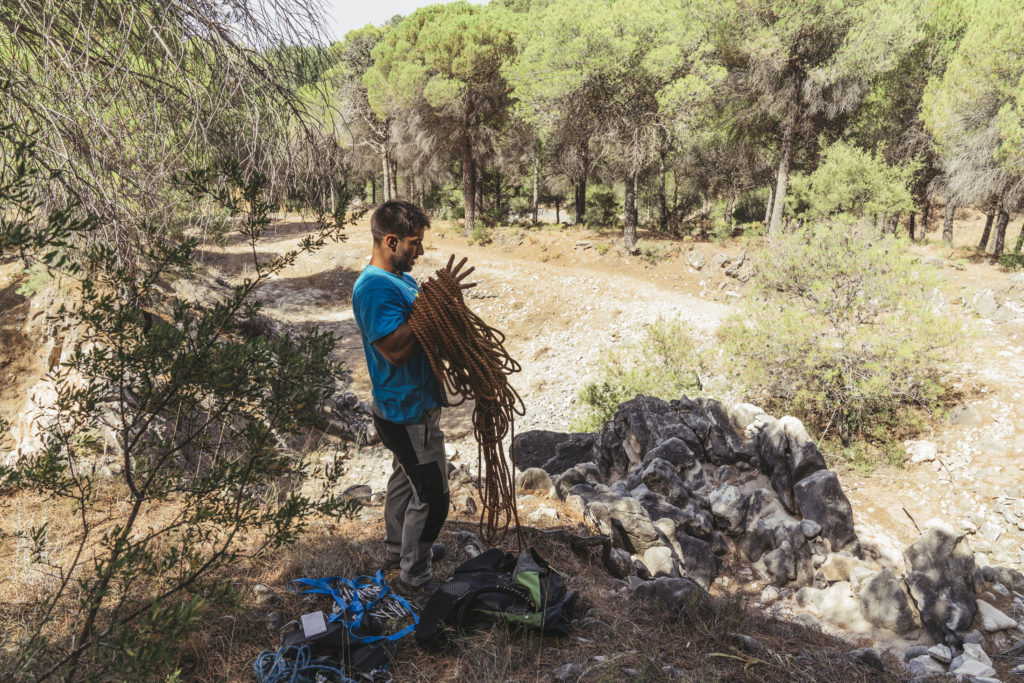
(625,640)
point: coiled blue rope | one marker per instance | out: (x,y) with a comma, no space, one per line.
(294,665)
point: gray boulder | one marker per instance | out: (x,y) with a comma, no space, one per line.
(579,448)
(781,563)
(660,562)
(728,506)
(675,451)
(765,522)
(787,454)
(536,447)
(698,560)
(819,497)
(583,473)
(690,516)
(621,518)
(884,604)
(661,477)
(940,579)
(639,425)
(534,479)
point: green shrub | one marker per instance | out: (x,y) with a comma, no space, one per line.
(840,333)
(480,234)
(853,181)
(663,363)
(36,278)
(1011,260)
(654,253)
(602,248)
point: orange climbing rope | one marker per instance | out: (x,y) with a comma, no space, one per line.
(469,359)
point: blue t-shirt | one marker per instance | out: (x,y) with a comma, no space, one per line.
(381,301)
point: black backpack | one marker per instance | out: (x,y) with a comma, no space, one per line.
(524,591)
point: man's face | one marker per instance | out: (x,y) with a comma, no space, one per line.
(407,250)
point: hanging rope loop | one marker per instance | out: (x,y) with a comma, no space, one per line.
(469,359)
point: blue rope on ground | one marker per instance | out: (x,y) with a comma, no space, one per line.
(293,665)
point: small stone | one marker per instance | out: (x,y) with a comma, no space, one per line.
(992,619)
(809,528)
(991,531)
(941,653)
(921,451)
(914,651)
(361,493)
(769,595)
(973,637)
(925,665)
(566,673)
(974,669)
(450,450)
(974,653)
(543,514)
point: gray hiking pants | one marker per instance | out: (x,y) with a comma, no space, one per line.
(417,501)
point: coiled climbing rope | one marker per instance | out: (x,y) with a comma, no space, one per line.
(469,359)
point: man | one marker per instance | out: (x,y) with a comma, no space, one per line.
(407,397)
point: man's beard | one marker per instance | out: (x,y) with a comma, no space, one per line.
(404,259)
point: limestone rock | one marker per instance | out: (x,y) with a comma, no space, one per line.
(728,506)
(992,619)
(925,665)
(883,603)
(660,562)
(940,579)
(921,451)
(620,517)
(941,653)
(820,498)
(534,479)
(537,446)
(743,415)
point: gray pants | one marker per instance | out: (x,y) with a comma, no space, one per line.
(417,500)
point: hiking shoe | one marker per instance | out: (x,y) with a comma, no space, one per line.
(417,595)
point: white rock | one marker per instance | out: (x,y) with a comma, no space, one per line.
(769,595)
(974,653)
(541,514)
(925,665)
(941,653)
(992,619)
(974,668)
(921,451)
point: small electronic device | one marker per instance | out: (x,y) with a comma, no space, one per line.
(313,624)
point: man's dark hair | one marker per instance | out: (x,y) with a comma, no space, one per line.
(397,218)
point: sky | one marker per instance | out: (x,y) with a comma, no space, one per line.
(345,15)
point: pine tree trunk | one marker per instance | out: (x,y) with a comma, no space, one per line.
(1001,222)
(581,190)
(373,190)
(629,231)
(1020,240)
(662,198)
(386,163)
(785,159)
(983,244)
(536,188)
(469,189)
(894,223)
(558,210)
(947,224)
(926,215)
(912,225)
(730,207)
(769,204)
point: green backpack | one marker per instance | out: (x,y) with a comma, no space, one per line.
(524,591)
